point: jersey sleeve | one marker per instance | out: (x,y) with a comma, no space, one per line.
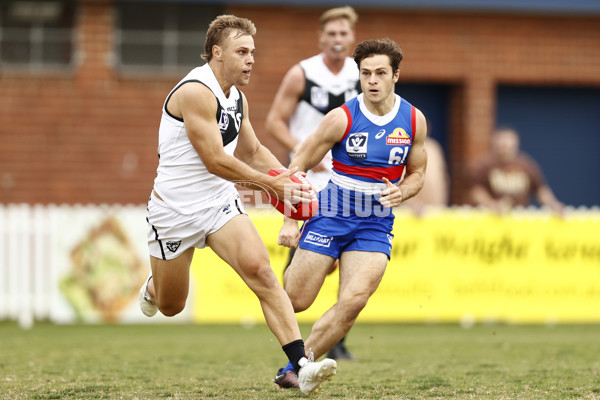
(349,116)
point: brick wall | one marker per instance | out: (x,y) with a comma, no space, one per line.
(90,135)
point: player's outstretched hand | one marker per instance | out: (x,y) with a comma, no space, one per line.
(289,235)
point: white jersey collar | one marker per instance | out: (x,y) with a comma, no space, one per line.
(379,120)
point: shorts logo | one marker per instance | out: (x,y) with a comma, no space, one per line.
(318,240)
(356,145)
(227,209)
(399,136)
(173,245)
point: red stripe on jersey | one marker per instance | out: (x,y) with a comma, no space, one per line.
(413,122)
(345,108)
(377,173)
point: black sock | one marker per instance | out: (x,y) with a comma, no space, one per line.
(294,352)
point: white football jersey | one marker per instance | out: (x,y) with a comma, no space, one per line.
(323,91)
(182,180)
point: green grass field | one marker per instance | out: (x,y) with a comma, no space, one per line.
(230,362)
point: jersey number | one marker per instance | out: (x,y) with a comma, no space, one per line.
(238,121)
(397,156)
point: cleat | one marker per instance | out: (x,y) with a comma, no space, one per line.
(286,380)
(340,352)
(146,304)
(312,374)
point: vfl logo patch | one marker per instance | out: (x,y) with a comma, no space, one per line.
(223,122)
(319,97)
(173,245)
(318,240)
(356,145)
(399,136)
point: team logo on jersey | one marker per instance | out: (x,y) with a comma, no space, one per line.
(173,245)
(356,145)
(223,122)
(319,97)
(317,239)
(380,134)
(399,136)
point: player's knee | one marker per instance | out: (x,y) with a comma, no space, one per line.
(300,307)
(353,306)
(299,302)
(259,275)
(171,308)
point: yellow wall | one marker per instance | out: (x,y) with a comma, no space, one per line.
(447,266)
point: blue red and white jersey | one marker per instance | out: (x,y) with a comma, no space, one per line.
(373,146)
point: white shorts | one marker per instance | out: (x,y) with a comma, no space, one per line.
(171,233)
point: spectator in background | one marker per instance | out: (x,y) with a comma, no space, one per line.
(309,90)
(508,178)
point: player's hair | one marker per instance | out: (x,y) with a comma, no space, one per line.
(221,27)
(373,47)
(339,12)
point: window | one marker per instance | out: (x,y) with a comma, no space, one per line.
(162,37)
(36,34)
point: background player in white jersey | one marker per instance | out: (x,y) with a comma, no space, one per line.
(315,86)
(375,138)
(309,90)
(206,142)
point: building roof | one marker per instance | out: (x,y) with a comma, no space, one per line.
(561,7)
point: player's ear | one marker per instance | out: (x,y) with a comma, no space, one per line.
(217,52)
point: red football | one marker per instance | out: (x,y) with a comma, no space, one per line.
(303,211)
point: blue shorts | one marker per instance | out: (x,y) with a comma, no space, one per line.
(332,233)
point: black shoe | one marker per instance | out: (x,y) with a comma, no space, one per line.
(340,352)
(286,380)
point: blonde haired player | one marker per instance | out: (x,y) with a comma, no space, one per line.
(206,142)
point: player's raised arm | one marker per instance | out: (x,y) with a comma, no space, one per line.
(284,105)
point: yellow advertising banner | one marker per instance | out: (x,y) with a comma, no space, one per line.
(455,265)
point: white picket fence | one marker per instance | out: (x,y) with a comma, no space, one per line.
(27,262)
(35,246)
